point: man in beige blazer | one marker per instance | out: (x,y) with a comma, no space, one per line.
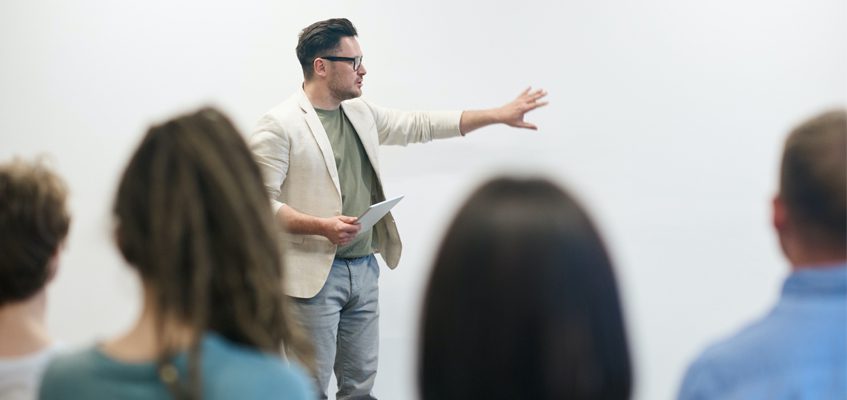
(318,152)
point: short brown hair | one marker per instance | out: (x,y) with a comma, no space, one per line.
(813,179)
(317,39)
(33,222)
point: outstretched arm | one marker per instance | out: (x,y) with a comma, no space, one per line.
(511,114)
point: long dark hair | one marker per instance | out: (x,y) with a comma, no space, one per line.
(194,220)
(522,302)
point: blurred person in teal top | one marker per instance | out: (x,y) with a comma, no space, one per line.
(193,221)
(799,349)
(229,371)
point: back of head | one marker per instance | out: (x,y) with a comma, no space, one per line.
(193,219)
(33,223)
(813,180)
(319,39)
(522,302)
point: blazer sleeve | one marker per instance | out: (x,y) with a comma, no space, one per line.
(270,146)
(396,127)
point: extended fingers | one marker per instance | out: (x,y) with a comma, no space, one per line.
(537,105)
(527,125)
(527,101)
(536,95)
(533,94)
(531,99)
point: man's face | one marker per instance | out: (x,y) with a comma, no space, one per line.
(344,82)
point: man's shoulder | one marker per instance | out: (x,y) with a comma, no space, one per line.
(720,367)
(358,107)
(759,352)
(745,347)
(288,107)
(357,103)
(285,114)
(772,338)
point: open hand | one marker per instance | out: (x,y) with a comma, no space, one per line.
(512,114)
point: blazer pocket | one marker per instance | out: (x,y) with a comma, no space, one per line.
(310,243)
(293,238)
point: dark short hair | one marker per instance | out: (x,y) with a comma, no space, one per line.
(320,38)
(522,302)
(34,221)
(813,179)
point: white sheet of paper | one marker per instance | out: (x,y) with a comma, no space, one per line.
(375,212)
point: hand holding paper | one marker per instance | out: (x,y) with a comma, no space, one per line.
(375,212)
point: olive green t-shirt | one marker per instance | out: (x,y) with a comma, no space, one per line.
(355,174)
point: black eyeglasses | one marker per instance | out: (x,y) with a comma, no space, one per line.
(357,61)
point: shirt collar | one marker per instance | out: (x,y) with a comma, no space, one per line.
(818,280)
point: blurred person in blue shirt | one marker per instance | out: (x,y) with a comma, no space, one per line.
(799,349)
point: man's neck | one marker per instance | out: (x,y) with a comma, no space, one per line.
(22,327)
(320,96)
(819,262)
(805,258)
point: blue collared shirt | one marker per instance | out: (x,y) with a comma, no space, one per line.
(797,351)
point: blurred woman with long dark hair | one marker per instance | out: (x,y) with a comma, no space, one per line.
(522,302)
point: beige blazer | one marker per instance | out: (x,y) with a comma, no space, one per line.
(297,163)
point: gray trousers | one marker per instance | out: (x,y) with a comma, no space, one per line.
(343,322)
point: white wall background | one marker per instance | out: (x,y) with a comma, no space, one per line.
(666,117)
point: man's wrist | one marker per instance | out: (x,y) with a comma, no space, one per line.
(497,115)
(322,226)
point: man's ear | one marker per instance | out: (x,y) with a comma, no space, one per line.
(319,67)
(780,214)
(781,222)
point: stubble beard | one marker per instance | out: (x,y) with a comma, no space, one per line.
(344,93)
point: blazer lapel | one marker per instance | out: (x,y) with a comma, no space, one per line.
(364,131)
(321,138)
